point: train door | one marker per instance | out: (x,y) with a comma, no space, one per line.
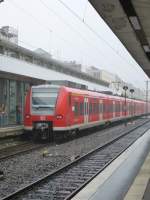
(117,106)
(75,110)
(114,109)
(128,106)
(121,109)
(105,108)
(100,110)
(110,109)
(86,110)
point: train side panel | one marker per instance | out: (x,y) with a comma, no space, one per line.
(79,109)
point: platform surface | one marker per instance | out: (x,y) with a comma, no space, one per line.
(125,178)
(11,131)
(140,189)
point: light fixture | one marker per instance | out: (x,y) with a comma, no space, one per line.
(146,48)
(135,22)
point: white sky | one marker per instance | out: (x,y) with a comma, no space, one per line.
(48,24)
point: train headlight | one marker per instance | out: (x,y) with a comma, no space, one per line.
(59,117)
(27,116)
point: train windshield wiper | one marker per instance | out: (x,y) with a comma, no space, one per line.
(43,106)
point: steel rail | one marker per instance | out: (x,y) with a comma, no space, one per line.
(19,149)
(79,160)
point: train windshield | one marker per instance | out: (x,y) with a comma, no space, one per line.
(44,100)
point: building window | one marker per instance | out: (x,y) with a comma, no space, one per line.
(3,103)
(12,100)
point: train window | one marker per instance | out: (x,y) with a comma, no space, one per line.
(114,106)
(104,108)
(97,108)
(87,111)
(131,108)
(117,107)
(128,107)
(110,108)
(100,108)
(85,108)
(42,96)
(76,109)
(81,109)
(44,100)
(90,108)
(69,99)
(94,108)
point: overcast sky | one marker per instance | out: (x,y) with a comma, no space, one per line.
(61,27)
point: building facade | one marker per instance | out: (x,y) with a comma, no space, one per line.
(9,33)
(73,65)
(94,72)
(116,84)
(12,99)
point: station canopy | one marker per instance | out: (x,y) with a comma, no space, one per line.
(130,22)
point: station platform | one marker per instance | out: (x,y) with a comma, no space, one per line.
(127,177)
(11,131)
(140,189)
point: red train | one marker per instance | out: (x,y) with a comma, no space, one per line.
(59,109)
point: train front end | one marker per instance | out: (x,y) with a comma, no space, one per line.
(40,111)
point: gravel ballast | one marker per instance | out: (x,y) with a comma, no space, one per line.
(26,168)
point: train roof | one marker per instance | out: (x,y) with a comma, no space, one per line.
(96,94)
(76,91)
(46,86)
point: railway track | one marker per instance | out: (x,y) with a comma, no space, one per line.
(65,182)
(24,147)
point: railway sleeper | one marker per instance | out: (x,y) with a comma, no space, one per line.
(75,181)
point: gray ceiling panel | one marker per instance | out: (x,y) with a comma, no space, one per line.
(130,21)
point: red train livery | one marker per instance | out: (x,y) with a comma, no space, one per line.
(51,108)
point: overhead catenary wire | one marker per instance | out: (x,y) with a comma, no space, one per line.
(85,9)
(64,40)
(89,28)
(97,34)
(47,28)
(41,24)
(72,28)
